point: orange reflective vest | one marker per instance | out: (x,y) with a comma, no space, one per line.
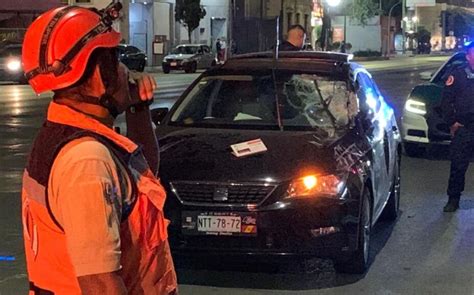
(147,266)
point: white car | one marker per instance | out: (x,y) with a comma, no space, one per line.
(421,122)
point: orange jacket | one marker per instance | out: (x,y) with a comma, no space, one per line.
(147,266)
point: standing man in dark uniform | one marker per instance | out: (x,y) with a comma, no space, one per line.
(295,39)
(458,111)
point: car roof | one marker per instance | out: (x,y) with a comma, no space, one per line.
(329,63)
(191,45)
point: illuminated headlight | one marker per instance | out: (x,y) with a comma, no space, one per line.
(14,65)
(416,107)
(314,185)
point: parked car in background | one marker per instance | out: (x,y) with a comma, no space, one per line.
(10,64)
(132,57)
(421,122)
(298,156)
(189,57)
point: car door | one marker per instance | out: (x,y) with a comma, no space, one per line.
(375,129)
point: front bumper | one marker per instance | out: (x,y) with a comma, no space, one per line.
(176,65)
(6,75)
(428,129)
(313,227)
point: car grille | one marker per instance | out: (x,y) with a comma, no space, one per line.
(221,193)
(178,61)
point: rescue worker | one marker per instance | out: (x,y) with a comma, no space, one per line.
(92,207)
(458,111)
(295,39)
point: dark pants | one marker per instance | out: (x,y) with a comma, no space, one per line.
(462,148)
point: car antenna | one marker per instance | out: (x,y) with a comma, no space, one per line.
(275,61)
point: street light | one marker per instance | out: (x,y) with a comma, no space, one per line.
(333,3)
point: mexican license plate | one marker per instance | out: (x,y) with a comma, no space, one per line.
(174,64)
(222,223)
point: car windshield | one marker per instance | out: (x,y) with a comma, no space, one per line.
(454,62)
(185,50)
(306,102)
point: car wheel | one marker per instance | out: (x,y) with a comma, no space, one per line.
(166,70)
(358,262)
(413,149)
(393,205)
(191,68)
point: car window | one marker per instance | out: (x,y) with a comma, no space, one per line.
(454,62)
(132,49)
(368,95)
(307,102)
(185,50)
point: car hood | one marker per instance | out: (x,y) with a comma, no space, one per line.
(428,93)
(196,154)
(179,56)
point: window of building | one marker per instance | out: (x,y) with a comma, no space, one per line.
(298,18)
(290,19)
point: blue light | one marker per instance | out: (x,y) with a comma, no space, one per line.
(7,258)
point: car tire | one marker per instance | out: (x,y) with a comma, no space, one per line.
(166,70)
(191,68)
(390,212)
(359,260)
(413,150)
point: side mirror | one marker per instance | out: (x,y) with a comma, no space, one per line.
(157,115)
(426,76)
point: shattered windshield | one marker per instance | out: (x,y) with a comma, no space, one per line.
(306,102)
(185,50)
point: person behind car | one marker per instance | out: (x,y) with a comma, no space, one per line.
(295,39)
(457,108)
(92,207)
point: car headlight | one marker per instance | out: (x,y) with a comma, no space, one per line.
(14,65)
(416,107)
(314,185)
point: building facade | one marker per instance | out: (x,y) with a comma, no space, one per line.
(153,22)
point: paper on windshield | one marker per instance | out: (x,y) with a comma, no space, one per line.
(248,148)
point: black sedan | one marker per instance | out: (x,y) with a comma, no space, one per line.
(294,156)
(132,57)
(10,64)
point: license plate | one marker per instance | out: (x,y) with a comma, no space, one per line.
(174,64)
(219,223)
(224,224)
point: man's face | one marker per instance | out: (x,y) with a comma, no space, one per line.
(470,57)
(297,37)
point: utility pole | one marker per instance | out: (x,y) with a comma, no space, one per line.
(389,26)
(404,24)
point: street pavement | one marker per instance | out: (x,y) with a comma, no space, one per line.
(425,251)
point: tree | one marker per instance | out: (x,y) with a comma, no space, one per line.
(362,10)
(460,21)
(189,13)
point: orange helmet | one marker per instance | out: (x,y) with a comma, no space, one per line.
(58,44)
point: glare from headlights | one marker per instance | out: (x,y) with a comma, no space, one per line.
(314,185)
(416,107)
(310,181)
(14,65)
